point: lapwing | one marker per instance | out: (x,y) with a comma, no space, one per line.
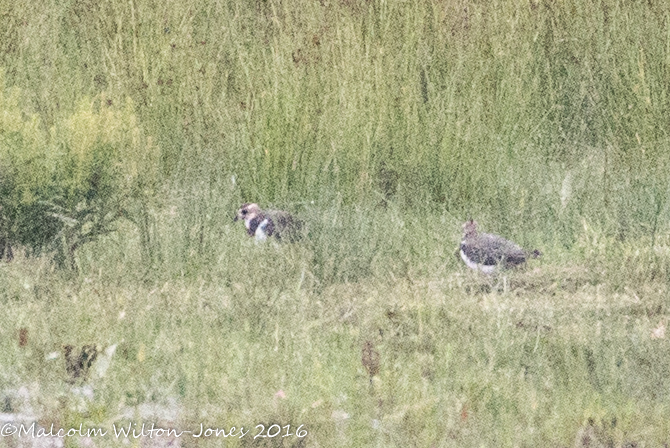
(486,252)
(262,224)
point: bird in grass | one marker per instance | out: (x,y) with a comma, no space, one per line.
(262,224)
(486,252)
(78,362)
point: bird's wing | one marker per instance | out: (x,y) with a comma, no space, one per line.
(285,223)
(490,249)
(504,250)
(478,254)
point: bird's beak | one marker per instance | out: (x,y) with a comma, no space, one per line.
(236,218)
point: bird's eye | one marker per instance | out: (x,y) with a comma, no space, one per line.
(244,212)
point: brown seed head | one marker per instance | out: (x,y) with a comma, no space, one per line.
(370,358)
(23,337)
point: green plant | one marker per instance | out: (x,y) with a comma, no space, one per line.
(68,185)
(104,167)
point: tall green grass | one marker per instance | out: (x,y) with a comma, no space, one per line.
(488,109)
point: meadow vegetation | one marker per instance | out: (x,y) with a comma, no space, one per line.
(130,132)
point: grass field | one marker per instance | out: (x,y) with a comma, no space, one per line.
(383,126)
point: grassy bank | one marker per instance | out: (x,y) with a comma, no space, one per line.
(275,333)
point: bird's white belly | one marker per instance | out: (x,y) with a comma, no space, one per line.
(260,231)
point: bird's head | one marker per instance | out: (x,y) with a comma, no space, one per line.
(247,212)
(470,228)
